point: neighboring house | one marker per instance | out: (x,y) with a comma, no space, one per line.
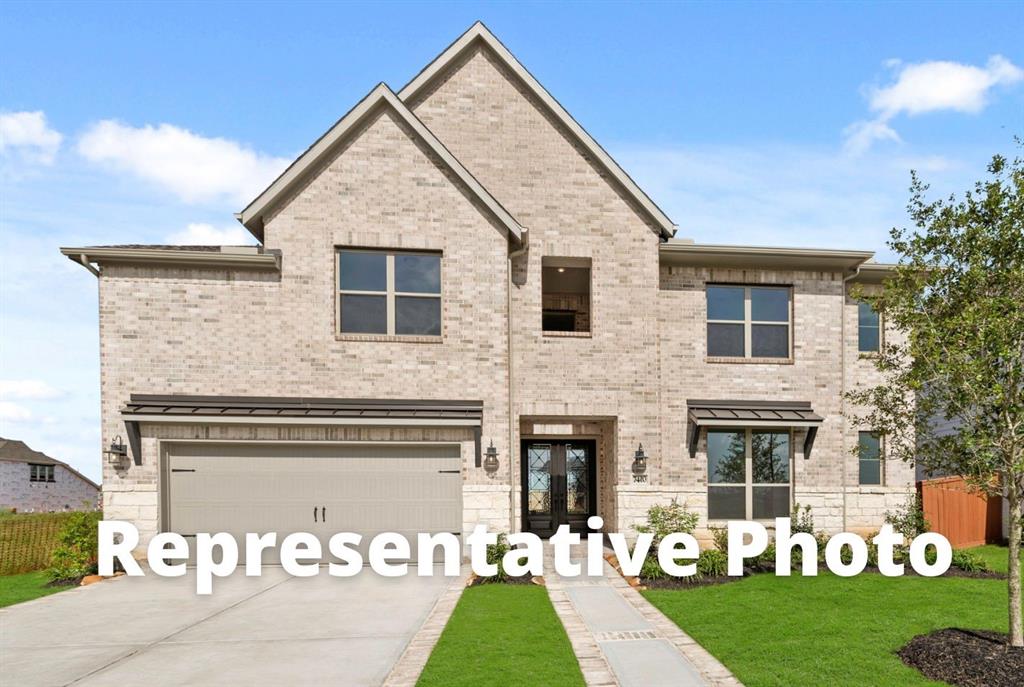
(463,311)
(33,482)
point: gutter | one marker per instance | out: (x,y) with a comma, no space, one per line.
(172,258)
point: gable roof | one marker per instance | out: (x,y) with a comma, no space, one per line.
(381,96)
(480,34)
(14,451)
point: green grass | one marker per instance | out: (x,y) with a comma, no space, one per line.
(24,587)
(503,635)
(995,556)
(829,630)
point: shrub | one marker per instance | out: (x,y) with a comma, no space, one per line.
(908,519)
(663,520)
(764,561)
(496,555)
(712,563)
(721,538)
(801,520)
(969,561)
(668,519)
(651,570)
(77,548)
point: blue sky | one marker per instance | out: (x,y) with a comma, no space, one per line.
(760,123)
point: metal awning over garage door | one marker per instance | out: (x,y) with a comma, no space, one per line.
(316,488)
(297,411)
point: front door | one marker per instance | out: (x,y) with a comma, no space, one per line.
(559,485)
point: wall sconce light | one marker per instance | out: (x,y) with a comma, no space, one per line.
(491,459)
(640,465)
(117,451)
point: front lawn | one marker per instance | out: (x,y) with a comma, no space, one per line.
(995,556)
(24,587)
(829,630)
(503,634)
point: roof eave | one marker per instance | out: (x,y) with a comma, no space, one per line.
(87,257)
(760,257)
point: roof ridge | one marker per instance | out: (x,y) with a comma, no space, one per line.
(480,32)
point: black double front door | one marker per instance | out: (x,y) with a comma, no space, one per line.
(559,485)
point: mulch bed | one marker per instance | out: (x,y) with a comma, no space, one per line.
(476,580)
(686,582)
(73,582)
(694,582)
(967,658)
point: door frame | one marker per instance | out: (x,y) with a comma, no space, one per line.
(524,473)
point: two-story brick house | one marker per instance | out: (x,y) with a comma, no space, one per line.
(463,311)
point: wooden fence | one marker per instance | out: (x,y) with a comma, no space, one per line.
(964,517)
(27,540)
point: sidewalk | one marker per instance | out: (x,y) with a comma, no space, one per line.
(621,639)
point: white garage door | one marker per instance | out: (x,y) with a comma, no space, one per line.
(287,488)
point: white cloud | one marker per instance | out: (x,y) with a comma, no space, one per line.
(860,136)
(13,412)
(928,87)
(199,234)
(193,167)
(27,388)
(933,86)
(28,135)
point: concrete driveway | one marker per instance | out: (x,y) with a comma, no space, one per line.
(271,630)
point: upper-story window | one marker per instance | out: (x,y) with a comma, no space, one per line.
(869,330)
(565,295)
(40,473)
(389,292)
(749,321)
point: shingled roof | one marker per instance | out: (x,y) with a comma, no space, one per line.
(14,451)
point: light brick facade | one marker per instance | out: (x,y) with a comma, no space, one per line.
(238,332)
(68,491)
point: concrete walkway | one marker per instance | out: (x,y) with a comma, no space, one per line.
(621,639)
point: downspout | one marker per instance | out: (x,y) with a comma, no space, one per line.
(842,383)
(512,453)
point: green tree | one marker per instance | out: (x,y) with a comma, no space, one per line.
(957,299)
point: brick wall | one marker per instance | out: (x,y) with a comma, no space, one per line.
(237,333)
(66,492)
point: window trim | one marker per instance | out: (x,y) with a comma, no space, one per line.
(390,294)
(748,323)
(881,331)
(748,458)
(881,458)
(49,473)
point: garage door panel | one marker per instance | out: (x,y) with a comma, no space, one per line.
(274,488)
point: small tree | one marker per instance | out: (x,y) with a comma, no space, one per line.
(957,296)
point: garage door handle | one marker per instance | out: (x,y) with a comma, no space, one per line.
(323,513)
(450,472)
(314,514)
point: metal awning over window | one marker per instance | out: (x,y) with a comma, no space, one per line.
(751,414)
(305,411)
